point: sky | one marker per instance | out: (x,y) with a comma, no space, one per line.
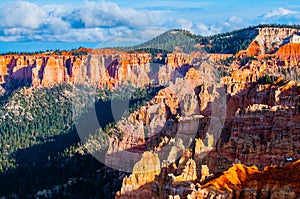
(48,24)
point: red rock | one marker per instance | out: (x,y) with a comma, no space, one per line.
(289,53)
(254,49)
(243,182)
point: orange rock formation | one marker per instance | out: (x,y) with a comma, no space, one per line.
(248,182)
(290,53)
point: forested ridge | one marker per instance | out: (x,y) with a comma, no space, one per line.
(40,147)
(185,41)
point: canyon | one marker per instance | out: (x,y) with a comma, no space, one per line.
(214,130)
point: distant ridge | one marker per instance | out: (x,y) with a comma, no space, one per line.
(185,41)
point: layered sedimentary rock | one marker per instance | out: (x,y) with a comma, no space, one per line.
(248,182)
(196,127)
(290,53)
(254,49)
(270,39)
(214,57)
(179,59)
(103,69)
(260,127)
(174,181)
(138,184)
(261,131)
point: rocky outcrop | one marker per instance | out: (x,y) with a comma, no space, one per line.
(173,181)
(177,59)
(270,39)
(254,49)
(197,126)
(138,184)
(248,182)
(196,137)
(260,128)
(103,69)
(290,54)
(214,57)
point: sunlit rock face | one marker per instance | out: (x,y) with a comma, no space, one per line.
(260,128)
(138,184)
(178,59)
(107,68)
(289,54)
(202,132)
(241,181)
(100,67)
(269,39)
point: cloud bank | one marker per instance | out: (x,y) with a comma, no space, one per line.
(279,13)
(110,22)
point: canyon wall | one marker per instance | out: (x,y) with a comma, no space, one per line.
(270,39)
(200,124)
(102,69)
(241,181)
(260,128)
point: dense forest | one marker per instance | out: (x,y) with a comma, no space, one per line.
(40,146)
(185,41)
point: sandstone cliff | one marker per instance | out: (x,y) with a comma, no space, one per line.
(197,126)
(103,69)
(248,182)
(260,127)
(270,39)
(289,53)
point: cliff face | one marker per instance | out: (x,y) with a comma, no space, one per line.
(262,134)
(290,53)
(248,182)
(197,126)
(260,127)
(178,59)
(270,39)
(254,49)
(102,69)
(138,184)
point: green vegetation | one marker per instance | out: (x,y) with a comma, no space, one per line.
(170,41)
(229,43)
(245,60)
(274,25)
(267,79)
(32,118)
(184,41)
(228,61)
(40,147)
(154,52)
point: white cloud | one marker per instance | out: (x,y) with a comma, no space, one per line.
(205,30)
(21,14)
(279,12)
(10,38)
(185,24)
(56,25)
(233,23)
(234,20)
(108,14)
(93,21)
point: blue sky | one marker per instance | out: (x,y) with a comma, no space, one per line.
(47,24)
